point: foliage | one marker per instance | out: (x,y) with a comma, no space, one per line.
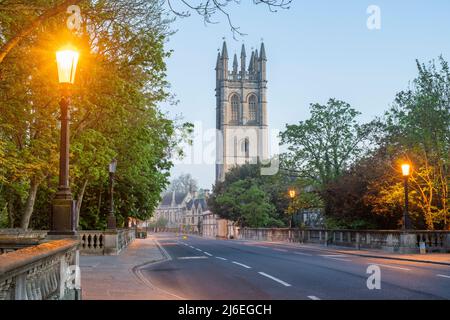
(119,82)
(184,183)
(323,146)
(245,190)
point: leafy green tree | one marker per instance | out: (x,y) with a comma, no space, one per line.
(184,183)
(323,146)
(120,81)
(240,179)
(418,130)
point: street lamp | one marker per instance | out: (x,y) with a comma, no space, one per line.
(406,172)
(111,223)
(63,206)
(292,194)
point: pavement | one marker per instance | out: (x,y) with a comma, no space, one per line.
(118,277)
(168,266)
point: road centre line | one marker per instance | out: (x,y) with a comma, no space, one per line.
(282,250)
(339,259)
(443,276)
(388,266)
(220,258)
(303,254)
(275,279)
(333,255)
(242,265)
(207,253)
(198,249)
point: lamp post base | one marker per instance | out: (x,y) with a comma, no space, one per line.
(63,217)
(111,222)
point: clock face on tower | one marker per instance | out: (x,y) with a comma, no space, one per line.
(241,117)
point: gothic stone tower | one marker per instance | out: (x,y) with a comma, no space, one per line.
(241,116)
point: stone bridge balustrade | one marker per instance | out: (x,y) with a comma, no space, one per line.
(39,272)
(388,240)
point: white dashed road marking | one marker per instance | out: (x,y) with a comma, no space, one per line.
(333,255)
(275,279)
(313,298)
(194,257)
(242,265)
(339,259)
(443,276)
(220,258)
(303,254)
(282,250)
(207,253)
(198,249)
(388,266)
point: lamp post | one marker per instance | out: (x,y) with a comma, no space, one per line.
(111,223)
(63,205)
(292,194)
(406,172)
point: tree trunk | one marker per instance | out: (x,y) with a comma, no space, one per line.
(79,202)
(29,205)
(11,213)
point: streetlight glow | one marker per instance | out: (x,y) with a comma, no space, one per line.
(67,61)
(292,193)
(406,169)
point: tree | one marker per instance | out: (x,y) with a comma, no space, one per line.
(247,204)
(184,183)
(275,202)
(418,130)
(321,147)
(120,81)
(19,20)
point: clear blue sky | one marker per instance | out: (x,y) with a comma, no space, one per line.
(316,50)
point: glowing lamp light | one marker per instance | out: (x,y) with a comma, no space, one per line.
(292,193)
(406,168)
(67,61)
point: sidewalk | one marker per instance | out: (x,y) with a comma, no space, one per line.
(434,258)
(118,277)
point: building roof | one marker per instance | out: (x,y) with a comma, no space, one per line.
(167,198)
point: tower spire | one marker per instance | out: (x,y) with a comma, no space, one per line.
(235,66)
(243,58)
(250,64)
(224,50)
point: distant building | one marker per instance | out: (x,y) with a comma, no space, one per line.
(183,210)
(172,208)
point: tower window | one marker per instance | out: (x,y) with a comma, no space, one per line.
(252,108)
(234,108)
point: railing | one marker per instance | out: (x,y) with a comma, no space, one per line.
(92,242)
(39,272)
(14,239)
(125,237)
(110,242)
(389,240)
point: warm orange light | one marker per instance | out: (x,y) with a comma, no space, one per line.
(292,193)
(67,60)
(406,169)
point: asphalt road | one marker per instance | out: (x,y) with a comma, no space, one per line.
(209,269)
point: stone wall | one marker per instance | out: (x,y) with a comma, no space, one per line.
(388,240)
(41,272)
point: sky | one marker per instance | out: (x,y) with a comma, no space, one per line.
(316,50)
